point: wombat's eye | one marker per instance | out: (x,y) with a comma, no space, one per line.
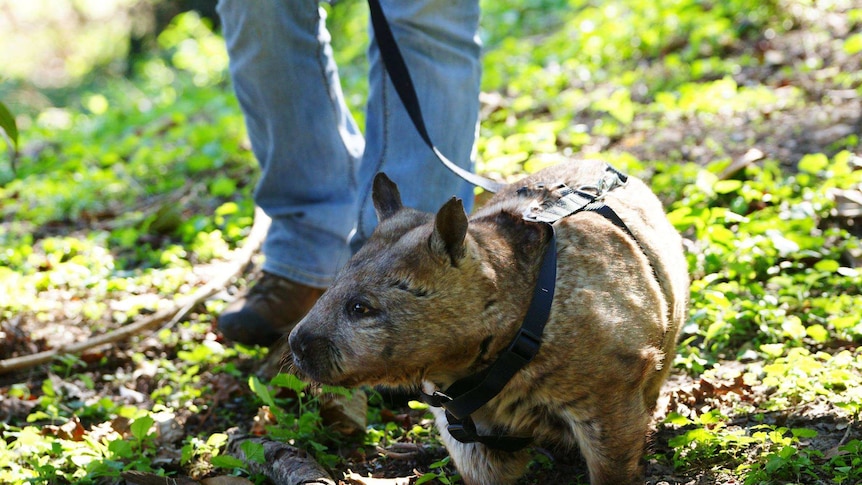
(358,309)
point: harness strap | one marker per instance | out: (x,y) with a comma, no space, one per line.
(465,396)
(395,66)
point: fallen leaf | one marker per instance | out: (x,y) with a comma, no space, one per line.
(169,430)
(72,430)
(120,424)
(263,419)
(345,414)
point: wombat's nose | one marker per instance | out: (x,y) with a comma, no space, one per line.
(307,346)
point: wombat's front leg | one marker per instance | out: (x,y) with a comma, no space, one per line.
(612,444)
(478,464)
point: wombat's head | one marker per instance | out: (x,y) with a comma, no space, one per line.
(407,307)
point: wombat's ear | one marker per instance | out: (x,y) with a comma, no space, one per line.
(450,229)
(385,195)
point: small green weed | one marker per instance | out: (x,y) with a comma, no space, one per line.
(297,419)
(846,465)
(438,473)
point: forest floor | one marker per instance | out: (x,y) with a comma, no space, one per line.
(802,96)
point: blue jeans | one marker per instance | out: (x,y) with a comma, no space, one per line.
(316,167)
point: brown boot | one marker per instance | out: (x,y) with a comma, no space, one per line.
(267,311)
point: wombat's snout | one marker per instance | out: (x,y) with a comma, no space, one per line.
(312,353)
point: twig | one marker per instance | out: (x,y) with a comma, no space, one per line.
(846,434)
(751,156)
(401,451)
(179,311)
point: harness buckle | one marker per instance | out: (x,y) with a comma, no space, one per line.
(459,433)
(463,430)
(525,345)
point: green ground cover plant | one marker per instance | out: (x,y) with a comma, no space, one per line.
(121,194)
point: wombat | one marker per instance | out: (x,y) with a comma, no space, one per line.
(431,299)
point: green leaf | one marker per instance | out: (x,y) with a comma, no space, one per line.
(227,461)
(217,440)
(253,451)
(793,328)
(440,463)
(336,390)
(775,463)
(223,187)
(712,417)
(813,163)
(141,427)
(289,381)
(721,234)
(818,332)
(827,265)
(619,105)
(121,449)
(727,186)
(8,125)
(804,433)
(427,477)
(772,350)
(187,452)
(787,452)
(261,391)
(853,44)
(417,405)
(677,419)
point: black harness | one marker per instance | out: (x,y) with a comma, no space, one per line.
(465,396)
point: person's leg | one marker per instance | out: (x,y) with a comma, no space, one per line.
(307,145)
(440,45)
(301,132)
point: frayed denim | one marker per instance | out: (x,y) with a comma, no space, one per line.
(316,166)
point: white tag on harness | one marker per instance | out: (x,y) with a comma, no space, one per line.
(558,202)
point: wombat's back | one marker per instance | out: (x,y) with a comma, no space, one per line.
(620,301)
(641,211)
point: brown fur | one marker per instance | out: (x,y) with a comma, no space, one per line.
(430,299)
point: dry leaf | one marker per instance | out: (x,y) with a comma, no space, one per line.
(346,415)
(72,430)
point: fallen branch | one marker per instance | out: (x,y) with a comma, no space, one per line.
(283,464)
(180,310)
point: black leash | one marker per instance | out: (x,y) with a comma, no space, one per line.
(394,63)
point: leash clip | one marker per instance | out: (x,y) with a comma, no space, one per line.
(436,399)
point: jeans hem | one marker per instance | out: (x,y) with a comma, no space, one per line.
(292,273)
